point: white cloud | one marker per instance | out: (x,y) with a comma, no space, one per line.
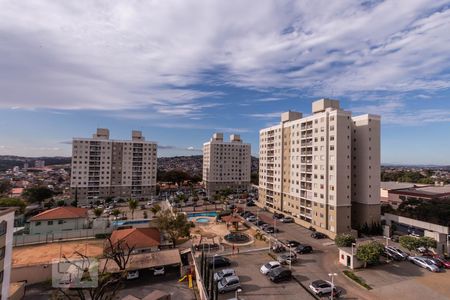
(154,54)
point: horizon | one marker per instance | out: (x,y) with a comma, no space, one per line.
(71,68)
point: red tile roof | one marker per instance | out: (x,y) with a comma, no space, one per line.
(63,212)
(137,237)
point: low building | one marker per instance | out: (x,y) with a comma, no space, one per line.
(6,242)
(347,257)
(142,239)
(394,193)
(59,219)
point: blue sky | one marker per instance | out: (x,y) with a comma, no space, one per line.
(181,70)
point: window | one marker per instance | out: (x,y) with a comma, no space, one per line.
(3,226)
(49,222)
(2,253)
(38,223)
(60,221)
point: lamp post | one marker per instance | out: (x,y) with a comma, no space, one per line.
(236,294)
(387,240)
(332,284)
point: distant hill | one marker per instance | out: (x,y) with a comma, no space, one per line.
(10,161)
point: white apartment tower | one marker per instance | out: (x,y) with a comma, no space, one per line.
(102,167)
(323,169)
(226,164)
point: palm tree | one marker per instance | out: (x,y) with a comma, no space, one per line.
(180,199)
(115,213)
(98,212)
(195,198)
(132,205)
(155,209)
(216,198)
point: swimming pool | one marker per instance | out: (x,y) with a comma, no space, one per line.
(202,220)
(202,214)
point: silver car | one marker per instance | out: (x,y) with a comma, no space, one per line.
(218,276)
(228,284)
(424,263)
(398,251)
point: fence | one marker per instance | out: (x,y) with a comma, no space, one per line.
(27,239)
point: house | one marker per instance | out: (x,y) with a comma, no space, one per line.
(16,192)
(59,219)
(142,239)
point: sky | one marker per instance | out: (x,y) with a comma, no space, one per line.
(181,70)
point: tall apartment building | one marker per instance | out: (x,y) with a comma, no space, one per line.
(323,169)
(6,242)
(102,167)
(226,164)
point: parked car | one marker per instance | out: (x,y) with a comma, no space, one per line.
(251,203)
(436,262)
(264,226)
(424,263)
(132,274)
(445,262)
(245,214)
(321,287)
(280,274)
(292,243)
(219,261)
(218,276)
(271,229)
(392,255)
(303,249)
(287,220)
(318,235)
(228,284)
(278,248)
(251,219)
(159,271)
(269,267)
(288,258)
(206,246)
(260,223)
(400,252)
(278,216)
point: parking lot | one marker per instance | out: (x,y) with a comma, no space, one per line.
(258,286)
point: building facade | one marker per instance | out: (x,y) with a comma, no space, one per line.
(59,219)
(6,242)
(102,167)
(322,169)
(226,164)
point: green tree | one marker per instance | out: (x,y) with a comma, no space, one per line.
(145,214)
(344,240)
(13,202)
(38,194)
(409,242)
(5,187)
(175,225)
(115,212)
(194,196)
(132,205)
(98,212)
(181,198)
(108,199)
(155,209)
(61,203)
(427,242)
(369,253)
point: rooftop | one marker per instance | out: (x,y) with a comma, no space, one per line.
(393,185)
(63,212)
(137,237)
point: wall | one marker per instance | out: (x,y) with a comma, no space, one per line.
(32,273)
(9,218)
(57,226)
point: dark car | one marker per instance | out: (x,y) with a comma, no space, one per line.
(260,223)
(392,255)
(287,220)
(271,229)
(219,261)
(292,243)
(251,203)
(277,216)
(303,249)
(280,274)
(318,235)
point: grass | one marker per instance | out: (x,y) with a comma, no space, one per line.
(357,279)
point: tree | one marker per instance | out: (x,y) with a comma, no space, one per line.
(9,202)
(344,240)
(369,253)
(155,209)
(175,225)
(61,203)
(180,199)
(427,242)
(115,212)
(132,205)
(38,194)
(194,196)
(98,212)
(409,242)
(145,214)
(5,187)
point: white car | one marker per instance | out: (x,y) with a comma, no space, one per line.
(400,252)
(132,274)
(269,267)
(251,219)
(424,263)
(218,276)
(321,287)
(159,271)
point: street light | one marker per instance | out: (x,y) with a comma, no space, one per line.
(387,240)
(236,294)
(332,283)
(353,245)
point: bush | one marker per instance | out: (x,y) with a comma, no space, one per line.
(344,240)
(102,235)
(356,279)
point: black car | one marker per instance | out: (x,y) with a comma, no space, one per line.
(259,223)
(392,255)
(318,235)
(219,261)
(271,229)
(280,274)
(292,243)
(251,203)
(303,249)
(277,216)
